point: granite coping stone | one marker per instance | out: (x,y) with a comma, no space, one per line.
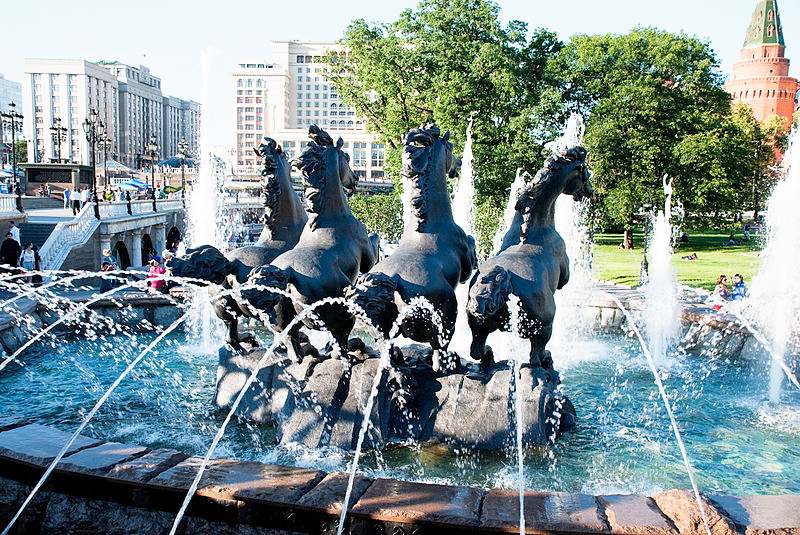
(634,514)
(407,502)
(680,506)
(143,469)
(99,459)
(328,495)
(250,481)
(557,511)
(229,482)
(39,444)
(762,515)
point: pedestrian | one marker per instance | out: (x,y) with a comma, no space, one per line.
(75,199)
(48,189)
(10,251)
(14,230)
(84,197)
(37,278)
(66,197)
(739,290)
(27,260)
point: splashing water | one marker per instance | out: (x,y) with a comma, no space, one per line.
(464,194)
(571,137)
(517,359)
(508,214)
(464,217)
(775,297)
(662,308)
(651,363)
(204,224)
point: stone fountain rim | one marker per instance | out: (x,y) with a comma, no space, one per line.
(99,470)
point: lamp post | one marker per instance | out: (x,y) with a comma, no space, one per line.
(183,150)
(152,149)
(105,144)
(15,118)
(59,134)
(94,129)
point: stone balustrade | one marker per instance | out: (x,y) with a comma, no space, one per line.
(109,487)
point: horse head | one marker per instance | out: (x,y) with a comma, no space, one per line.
(277,189)
(575,174)
(427,161)
(326,173)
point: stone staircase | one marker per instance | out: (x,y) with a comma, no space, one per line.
(35,233)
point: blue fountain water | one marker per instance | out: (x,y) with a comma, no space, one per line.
(623,442)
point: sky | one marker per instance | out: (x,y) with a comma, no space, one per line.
(169,35)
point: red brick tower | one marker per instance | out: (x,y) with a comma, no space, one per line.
(761,76)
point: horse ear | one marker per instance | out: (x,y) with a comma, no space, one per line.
(339,143)
(446,136)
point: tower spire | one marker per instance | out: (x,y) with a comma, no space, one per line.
(765,26)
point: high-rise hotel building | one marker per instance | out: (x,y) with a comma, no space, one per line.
(282,97)
(129,102)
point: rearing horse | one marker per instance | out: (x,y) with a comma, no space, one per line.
(332,250)
(283,225)
(532,262)
(434,254)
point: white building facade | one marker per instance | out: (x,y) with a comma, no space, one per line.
(283,97)
(128,100)
(68,90)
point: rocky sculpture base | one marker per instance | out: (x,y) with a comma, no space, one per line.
(320,402)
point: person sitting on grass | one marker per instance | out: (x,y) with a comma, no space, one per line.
(732,241)
(692,256)
(721,292)
(739,290)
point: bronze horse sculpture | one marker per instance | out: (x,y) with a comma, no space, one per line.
(333,248)
(433,256)
(284,219)
(532,262)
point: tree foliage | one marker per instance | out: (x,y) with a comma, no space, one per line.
(450,61)
(655,105)
(380,213)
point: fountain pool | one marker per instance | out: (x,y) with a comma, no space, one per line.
(738,443)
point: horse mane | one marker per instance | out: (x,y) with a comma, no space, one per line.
(416,168)
(271,152)
(530,196)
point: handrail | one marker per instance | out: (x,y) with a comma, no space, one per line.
(70,234)
(8,205)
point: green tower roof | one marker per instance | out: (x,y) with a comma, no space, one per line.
(765,27)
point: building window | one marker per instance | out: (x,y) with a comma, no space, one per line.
(377,154)
(299,59)
(359,154)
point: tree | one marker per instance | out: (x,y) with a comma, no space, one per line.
(450,61)
(380,213)
(655,105)
(765,143)
(21,151)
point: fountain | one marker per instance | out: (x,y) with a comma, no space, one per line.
(775,301)
(407,434)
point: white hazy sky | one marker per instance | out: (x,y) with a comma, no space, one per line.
(169,35)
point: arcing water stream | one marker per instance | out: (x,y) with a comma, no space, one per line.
(775,295)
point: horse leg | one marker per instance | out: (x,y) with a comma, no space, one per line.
(227,311)
(540,357)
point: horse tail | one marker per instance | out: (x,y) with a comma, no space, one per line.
(489,294)
(374,293)
(263,299)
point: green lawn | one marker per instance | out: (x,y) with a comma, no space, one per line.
(611,263)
